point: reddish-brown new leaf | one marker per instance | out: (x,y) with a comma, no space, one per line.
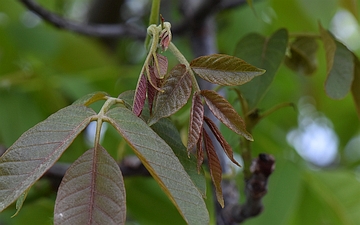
(224,111)
(225,145)
(140,96)
(199,153)
(214,167)
(151,90)
(161,71)
(196,121)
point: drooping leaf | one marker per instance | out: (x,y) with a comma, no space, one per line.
(224,69)
(224,144)
(214,167)
(168,132)
(355,88)
(302,57)
(151,90)
(224,111)
(91,98)
(92,191)
(196,121)
(162,163)
(265,53)
(161,70)
(177,90)
(38,149)
(140,95)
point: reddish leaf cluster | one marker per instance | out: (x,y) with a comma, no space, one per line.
(199,137)
(148,84)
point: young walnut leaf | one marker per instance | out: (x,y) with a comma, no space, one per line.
(199,152)
(140,95)
(92,191)
(214,167)
(224,111)
(161,64)
(224,144)
(224,69)
(355,88)
(38,149)
(151,91)
(177,90)
(196,121)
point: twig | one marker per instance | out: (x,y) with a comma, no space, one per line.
(96,30)
(255,189)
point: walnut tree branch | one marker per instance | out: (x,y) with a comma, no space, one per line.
(96,30)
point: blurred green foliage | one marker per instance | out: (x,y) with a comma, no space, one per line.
(43,69)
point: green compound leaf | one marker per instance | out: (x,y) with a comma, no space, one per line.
(224,69)
(38,149)
(160,160)
(177,90)
(266,53)
(92,191)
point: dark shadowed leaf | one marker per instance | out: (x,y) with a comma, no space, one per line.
(163,66)
(329,46)
(302,57)
(168,132)
(265,53)
(355,88)
(224,144)
(91,98)
(38,149)
(151,91)
(92,191)
(224,69)
(196,121)
(340,77)
(162,163)
(224,111)
(140,95)
(214,167)
(177,90)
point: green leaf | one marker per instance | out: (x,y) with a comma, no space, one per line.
(177,90)
(92,191)
(168,132)
(302,57)
(91,98)
(162,163)
(329,46)
(266,53)
(224,111)
(38,149)
(224,69)
(196,121)
(20,202)
(355,88)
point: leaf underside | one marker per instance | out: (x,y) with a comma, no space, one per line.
(265,53)
(224,111)
(38,149)
(224,70)
(162,163)
(177,90)
(196,121)
(92,191)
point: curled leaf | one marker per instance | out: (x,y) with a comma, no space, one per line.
(140,96)
(177,90)
(224,69)
(224,144)
(196,121)
(214,167)
(224,111)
